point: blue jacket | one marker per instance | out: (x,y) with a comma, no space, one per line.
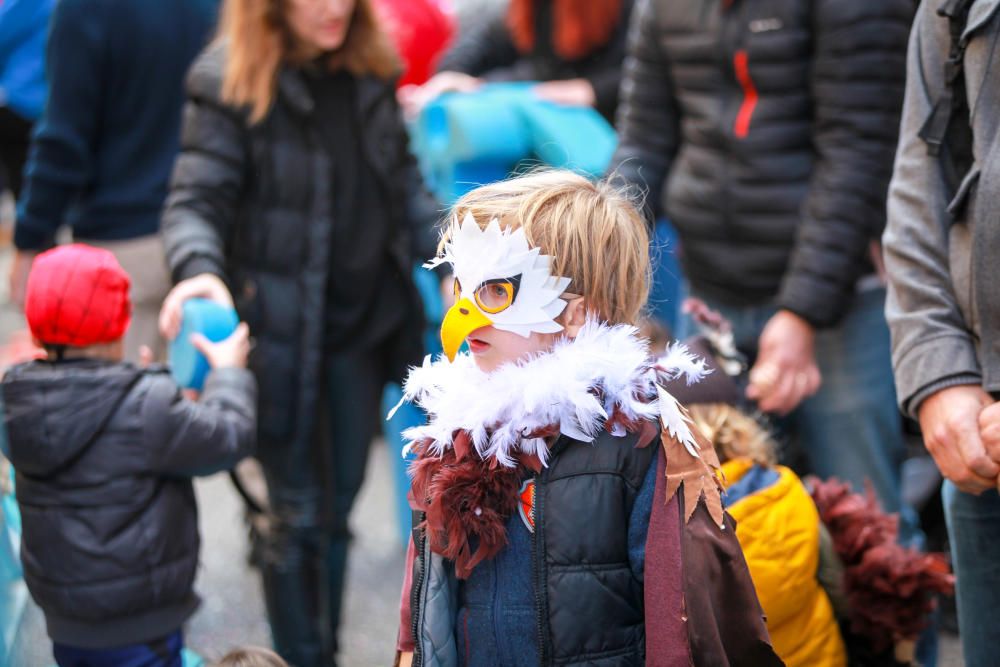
(23,28)
(102,152)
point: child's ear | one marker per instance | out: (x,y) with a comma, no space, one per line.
(574,316)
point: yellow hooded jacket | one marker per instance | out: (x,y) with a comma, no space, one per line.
(778,528)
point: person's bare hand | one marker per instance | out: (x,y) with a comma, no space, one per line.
(951,420)
(989,431)
(785,373)
(701,313)
(19,270)
(205,286)
(414,98)
(569,92)
(405,659)
(229,353)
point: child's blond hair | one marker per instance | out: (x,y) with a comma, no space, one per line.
(733,433)
(594,234)
(251,656)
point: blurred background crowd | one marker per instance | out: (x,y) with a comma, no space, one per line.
(293,158)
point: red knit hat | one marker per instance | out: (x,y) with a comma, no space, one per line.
(77,295)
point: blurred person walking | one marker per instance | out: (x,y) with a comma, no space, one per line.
(766,130)
(295,198)
(941,253)
(574,48)
(101,155)
(24,25)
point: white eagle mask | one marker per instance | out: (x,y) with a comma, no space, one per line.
(500,281)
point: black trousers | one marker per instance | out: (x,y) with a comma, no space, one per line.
(15,137)
(303,548)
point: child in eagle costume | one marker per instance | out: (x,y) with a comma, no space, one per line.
(566,511)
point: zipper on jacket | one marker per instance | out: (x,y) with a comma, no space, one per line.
(538,555)
(416,590)
(541,610)
(741,67)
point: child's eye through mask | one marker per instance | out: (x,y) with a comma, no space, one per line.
(495,295)
(513,287)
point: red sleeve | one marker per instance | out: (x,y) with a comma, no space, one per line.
(404,638)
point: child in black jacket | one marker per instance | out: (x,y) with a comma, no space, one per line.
(104,453)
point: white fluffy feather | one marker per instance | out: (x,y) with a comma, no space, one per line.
(501,408)
(680,362)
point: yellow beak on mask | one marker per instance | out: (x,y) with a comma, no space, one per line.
(461,319)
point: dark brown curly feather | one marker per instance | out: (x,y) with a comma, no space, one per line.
(466,502)
(891,588)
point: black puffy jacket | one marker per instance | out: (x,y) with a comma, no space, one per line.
(254,205)
(104,454)
(768,127)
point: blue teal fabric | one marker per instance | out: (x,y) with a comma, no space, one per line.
(23,29)
(466,139)
(757,479)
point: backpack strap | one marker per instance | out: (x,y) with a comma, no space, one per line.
(947,131)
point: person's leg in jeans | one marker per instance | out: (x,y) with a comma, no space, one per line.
(851,428)
(288,548)
(304,552)
(354,388)
(165,652)
(974,531)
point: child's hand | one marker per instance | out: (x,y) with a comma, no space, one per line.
(204,285)
(229,353)
(405,659)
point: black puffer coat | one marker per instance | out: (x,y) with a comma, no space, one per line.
(768,127)
(254,205)
(104,453)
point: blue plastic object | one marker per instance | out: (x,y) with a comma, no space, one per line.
(463,140)
(212,320)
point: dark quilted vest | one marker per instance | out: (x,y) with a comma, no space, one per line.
(592,608)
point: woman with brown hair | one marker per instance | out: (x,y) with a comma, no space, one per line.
(574,48)
(294,197)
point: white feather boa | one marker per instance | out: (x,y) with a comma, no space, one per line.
(561,387)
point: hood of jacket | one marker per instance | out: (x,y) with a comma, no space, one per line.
(54,411)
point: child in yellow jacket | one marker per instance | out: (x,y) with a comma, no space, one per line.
(835,585)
